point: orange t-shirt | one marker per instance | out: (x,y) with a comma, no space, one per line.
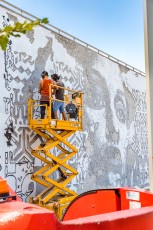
(45,89)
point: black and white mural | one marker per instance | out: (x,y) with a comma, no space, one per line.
(112,147)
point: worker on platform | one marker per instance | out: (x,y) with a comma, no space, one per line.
(43,89)
(59,95)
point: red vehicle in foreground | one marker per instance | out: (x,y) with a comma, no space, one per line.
(119,208)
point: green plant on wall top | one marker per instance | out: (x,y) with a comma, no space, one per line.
(17,29)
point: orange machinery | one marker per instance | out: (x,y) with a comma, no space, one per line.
(111,209)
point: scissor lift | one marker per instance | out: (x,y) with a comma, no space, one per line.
(55,134)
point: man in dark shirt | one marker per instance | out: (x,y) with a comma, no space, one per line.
(59,95)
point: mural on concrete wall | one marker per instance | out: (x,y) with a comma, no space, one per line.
(112,147)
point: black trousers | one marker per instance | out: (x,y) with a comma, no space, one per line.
(43,108)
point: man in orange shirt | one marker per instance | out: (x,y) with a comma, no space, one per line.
(43,89)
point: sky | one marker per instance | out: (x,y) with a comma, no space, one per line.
(113,26)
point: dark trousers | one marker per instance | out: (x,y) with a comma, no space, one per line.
(43,108)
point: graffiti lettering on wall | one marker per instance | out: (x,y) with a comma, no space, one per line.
(19,163)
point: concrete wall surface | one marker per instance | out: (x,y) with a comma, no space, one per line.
(112,147)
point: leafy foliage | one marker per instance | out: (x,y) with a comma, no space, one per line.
(17,29)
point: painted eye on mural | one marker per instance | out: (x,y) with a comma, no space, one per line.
(120,107)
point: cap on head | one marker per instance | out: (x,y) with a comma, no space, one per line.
(44,73)
(55,77)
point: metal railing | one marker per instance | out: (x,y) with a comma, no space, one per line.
(72,103)
(29,16)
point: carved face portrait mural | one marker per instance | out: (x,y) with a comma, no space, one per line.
(115,121)
(112,149)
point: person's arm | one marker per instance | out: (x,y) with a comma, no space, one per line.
(55,87)
(40,86)
(54,91)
